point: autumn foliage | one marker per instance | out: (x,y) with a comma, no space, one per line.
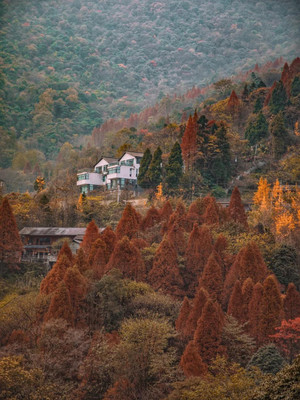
(91,235)
(236,209)
(129,223)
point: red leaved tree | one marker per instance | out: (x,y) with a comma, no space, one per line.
(77,286)
(65,250)
(109,238)
(81,261)
(165,273)
(236,210)
(208,335)
(129,223)
(195,312)
(291,302)
(52,280)
(91,235)
(60,306)
(10,242)
(211,214)
(247,290)
(191,361)
(212,277)
(185,309)
(255,310)
(152,218)
(189,144)
(176,236)
(287,336)
(235,305)
(127,258)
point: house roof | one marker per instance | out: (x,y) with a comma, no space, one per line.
(132,153)
(53,231)
(110,160)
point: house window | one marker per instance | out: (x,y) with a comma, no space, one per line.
(99,170)
(122,183)
(91,187)
(83,177)
(103,178)
(115,170)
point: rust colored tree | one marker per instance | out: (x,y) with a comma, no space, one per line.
(165,273)
(287,336)
(195,312)
(191,361)
(247,290)
(208,335)
(236,210)
(271,308)
(197,252)
(65,250)
(291,302)
(212,277)
(109,238)
(255,310)
(235,306)
(189,144)
(166,211)
(185,309)
(91,235)
(176,236)
(211,214)
(10,242)
(151,218)
(127,258)
(60,306)
(129,223)
(81,261)
(77,286)
(52,280)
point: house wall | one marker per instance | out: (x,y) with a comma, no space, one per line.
(94,179)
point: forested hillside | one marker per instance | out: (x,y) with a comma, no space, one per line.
(67,66)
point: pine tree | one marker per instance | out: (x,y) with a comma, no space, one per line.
(77,286)
(129,223)
(291,302)
(195,313)
(255,310)
(151,218)
(189,145)
(90,236)
(154,173)
(271,308)
(212,278)
(109,238)
(258,105)
(185,309)
(236,209)
(279,134)
(257,129)
(197,253)
(127,258)
(208,335)
(10,242)
(191,361)
(60,305)
(295,90)
(235,306)
(142,178)
(52,280)
(278,99)
(174,168)
(222,163)
(165,274)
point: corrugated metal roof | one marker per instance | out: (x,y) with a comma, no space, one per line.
(53,231)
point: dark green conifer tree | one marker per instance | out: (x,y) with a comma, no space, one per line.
(143,179)
(280,138)
(174,167)
(278,99)
(221,167)
(257,129)
(154,173)
(258,105)
(295,90)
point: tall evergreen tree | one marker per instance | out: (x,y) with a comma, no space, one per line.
(189,144)
(222,163)
(295,90)
(278,99)
(174,168)
(280,138)
(10,242)
(257,129)
(154,173)
(258,105)
(142,178)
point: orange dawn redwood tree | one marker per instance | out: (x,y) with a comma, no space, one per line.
(91,235)
(208,335)
(176,237)
(109,238)
(51,281)
(212,277)
(65,250)
(235,306)
(195,312)
(211,214)
(151,218)
(189,143)
(129,223)
(60,305)
(247,290)
(166,211)
(291,302)
(81,260)
(271,308)
(191,361)
(10,242)
(255,310)
(185,309)
(236,210)
(165,273)
(76,284)
(127,258)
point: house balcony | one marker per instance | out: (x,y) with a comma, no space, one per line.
(122,172)
(90,178)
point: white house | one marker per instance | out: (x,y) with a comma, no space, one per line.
(111,173)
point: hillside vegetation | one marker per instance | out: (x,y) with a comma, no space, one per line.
(67,66)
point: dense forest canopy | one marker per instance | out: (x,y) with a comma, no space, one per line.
(68,66)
